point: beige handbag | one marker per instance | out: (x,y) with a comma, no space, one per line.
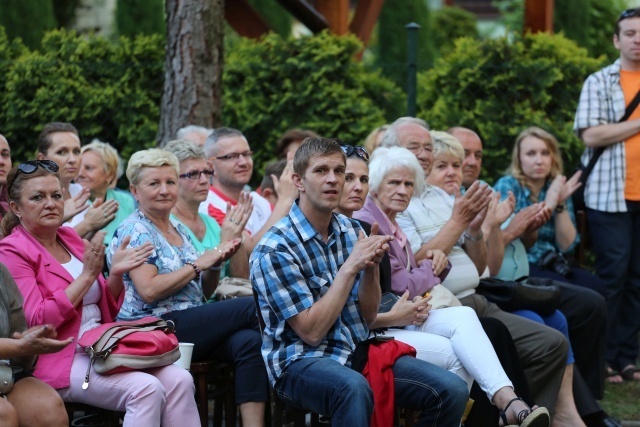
(233,287)
(441,297)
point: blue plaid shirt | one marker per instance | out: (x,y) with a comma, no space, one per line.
(546,233)
(291,269)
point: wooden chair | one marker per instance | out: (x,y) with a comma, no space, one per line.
(281,413)
(107,417)
(214,378)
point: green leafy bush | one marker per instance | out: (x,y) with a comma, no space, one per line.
(499,87)
(449,24)
(109,91)
(275,84)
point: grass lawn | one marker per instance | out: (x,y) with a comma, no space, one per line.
(622,401)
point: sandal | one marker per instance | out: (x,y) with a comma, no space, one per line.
(527,417)
(628,373)
(611,375)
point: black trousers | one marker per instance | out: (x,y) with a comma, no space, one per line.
(229,330)
(484,413)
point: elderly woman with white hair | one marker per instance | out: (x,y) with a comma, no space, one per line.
(450,333)
(172,282)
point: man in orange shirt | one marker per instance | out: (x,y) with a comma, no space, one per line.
(612,190)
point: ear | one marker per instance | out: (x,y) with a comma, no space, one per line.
(270,195)
(297,181)
(110,178)
(133,191)
(15,209)
(616,41)
(40,156)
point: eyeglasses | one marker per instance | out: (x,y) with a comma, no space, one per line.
(358,150)
(233,156)
(30,166)
(629,13)
(196,174)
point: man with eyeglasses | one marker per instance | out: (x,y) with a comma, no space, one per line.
(231,159)
(612,190)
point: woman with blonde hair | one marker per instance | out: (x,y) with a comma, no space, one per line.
(98,170)
(536,175)
(173,282)
(374,139)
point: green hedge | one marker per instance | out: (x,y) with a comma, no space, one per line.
(110,91)
(276,84)
(499,87)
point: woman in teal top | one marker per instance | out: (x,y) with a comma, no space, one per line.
(97,171)
(535,175)
(204,231)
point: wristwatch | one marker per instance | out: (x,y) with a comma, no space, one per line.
(561,208)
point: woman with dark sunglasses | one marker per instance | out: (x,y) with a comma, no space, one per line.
(60,277)
(193,186)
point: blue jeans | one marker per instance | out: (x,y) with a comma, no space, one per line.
(326,387)
(617,248)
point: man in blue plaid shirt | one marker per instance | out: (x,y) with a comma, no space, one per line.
(317,280)
(612,190)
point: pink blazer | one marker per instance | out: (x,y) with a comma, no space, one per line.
(42,281)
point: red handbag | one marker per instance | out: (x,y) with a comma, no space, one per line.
(126,346)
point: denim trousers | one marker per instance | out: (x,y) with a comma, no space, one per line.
(327,387)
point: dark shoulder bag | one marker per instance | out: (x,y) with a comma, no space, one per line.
(578,195)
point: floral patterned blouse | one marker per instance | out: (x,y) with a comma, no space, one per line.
(166,257)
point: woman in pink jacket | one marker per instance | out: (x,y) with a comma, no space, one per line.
(60,278)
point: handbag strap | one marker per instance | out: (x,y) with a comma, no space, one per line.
(110,338)
(598,151)
(406,250)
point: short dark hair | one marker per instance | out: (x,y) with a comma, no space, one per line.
(316,146)
(274,168)
(291,136)
(44,140)
(626,14)
(216,135)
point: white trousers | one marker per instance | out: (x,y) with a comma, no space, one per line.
(453,339)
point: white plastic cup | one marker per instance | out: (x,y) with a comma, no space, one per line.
(186,350)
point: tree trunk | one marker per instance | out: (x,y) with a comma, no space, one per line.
(193,66)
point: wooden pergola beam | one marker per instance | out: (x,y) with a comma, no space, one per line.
(305,13)
(538,16)
(336,12)
(364,19)
(244,19)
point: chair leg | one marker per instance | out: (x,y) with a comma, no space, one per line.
(202,399)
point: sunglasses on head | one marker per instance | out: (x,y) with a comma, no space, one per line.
(30,166)
(358,150)
(629,13)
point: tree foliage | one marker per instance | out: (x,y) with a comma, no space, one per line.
(392,38)
(134,17)
(27,19)
(275,84)
(590,23)
(498,87)
(109,91)
(278,18)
